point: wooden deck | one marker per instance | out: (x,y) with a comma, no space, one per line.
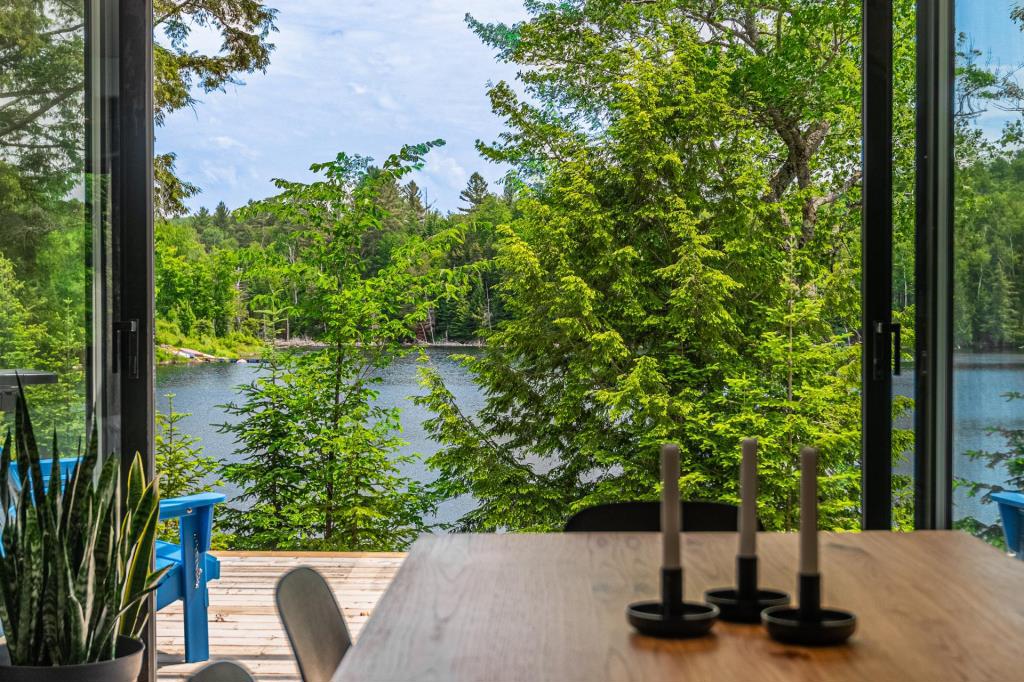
(243,620)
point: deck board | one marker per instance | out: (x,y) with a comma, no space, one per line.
(244,626)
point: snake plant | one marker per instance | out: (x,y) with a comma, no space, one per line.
(75,567)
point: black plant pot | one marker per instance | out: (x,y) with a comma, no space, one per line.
(125,667)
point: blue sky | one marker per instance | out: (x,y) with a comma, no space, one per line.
(360,77)
(988,28)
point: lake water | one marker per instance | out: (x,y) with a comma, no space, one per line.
(199,389)
(980,381)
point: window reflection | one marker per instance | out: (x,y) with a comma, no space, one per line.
(43,227)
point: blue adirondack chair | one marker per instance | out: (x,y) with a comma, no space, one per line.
(191,565)
(1011,510)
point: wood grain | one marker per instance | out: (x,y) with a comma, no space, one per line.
(931,606)
(244,626)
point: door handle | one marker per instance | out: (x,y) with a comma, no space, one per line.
(129,328)
(882,335)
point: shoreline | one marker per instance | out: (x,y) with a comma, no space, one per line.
(190,356)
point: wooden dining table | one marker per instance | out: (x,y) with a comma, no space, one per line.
(930,605)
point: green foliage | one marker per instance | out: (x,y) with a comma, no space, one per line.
(1009,460)
(41,78)
(43,81)
(180,463)
(179,456)
(319,465)
(476,192)
(180,67)
(684,266)
(194,286)
(74,572)
(235,345)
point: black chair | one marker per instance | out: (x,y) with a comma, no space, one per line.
(314,623)
(222,671)
(640,517)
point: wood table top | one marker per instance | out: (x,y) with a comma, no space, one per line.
(931,605)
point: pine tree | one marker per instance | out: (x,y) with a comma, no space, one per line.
(475,193)
(221,216)
(684,271)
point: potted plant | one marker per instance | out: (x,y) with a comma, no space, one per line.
(75,564)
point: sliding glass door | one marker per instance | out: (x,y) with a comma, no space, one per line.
(53,227)
(988,264)
(76,220)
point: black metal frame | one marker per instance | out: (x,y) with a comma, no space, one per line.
(876,287)
(132,183)
(119,101)
(933,393)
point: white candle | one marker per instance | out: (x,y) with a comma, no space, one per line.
(670,512)
(808,511)
(748,495)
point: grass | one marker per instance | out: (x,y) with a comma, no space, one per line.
(233,346)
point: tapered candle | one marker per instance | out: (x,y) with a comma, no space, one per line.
(748,494)
(670,512)
(808,511)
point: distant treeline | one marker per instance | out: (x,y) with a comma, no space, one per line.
(228,277)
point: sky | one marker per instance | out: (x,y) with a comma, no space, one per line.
(988,28)
(360,77)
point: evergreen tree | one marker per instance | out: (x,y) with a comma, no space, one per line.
(221,216)
(1010,460)
(682,267)
(320,466)
(180,462)
(475,193)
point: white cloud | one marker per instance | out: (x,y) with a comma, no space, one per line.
(442,168)
(364,78)
(230,143)
(220,174)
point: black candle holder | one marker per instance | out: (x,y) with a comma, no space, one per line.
(809,624)
(745,602)
(672,617)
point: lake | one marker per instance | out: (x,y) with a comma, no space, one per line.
(199,389)
(980,381)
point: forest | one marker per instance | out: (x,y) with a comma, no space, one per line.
(228,282)
(673,256)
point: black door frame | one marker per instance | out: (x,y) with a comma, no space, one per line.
(933,392)
(876,270)
(119,101)
(132,181)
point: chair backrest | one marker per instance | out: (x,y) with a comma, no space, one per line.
(638,517)
(222,671)
(314,623)
(67,469)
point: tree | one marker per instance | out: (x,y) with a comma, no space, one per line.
(320,467)
(180,462)
(244,27)
(221,216)
(1009,460)
(475,193)
(684,266)
(42,81)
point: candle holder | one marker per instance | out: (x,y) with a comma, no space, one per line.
(671,617)
(745,602)
(808,623)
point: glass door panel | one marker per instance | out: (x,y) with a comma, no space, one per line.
(903,262)
(988,314)
(49,231)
